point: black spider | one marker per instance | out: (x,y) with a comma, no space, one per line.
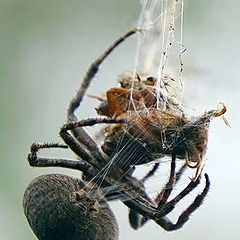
(108,172)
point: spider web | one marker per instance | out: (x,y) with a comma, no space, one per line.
(160,47)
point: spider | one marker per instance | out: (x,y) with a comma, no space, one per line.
(110,169)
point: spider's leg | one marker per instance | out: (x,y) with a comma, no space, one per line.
(78,149)
(86,166)
(136,220)
(80,134)
(184,217)
(36,161)
(180,172)
(165,193)
(93,69)
(148,210)
(151,172)
(168,207)
(162,197)
(82,137)
(101,165)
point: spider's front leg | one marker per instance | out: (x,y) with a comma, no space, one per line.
(93,69)
(82,139)
(36,161)
(80,134)
(135,219)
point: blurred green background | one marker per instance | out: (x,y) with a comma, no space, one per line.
(45,49)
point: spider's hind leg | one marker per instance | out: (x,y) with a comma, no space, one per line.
(136,220)
(184,217)
(36,161)
(173,179)
(33,158)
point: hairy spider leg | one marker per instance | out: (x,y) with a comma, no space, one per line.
(91,147)
(151,172)
(36,161)
(136,220)
(93,69)
(165,223)
(165,193)
(129,187)
(79,133)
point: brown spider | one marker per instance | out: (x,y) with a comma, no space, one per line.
(109,168)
